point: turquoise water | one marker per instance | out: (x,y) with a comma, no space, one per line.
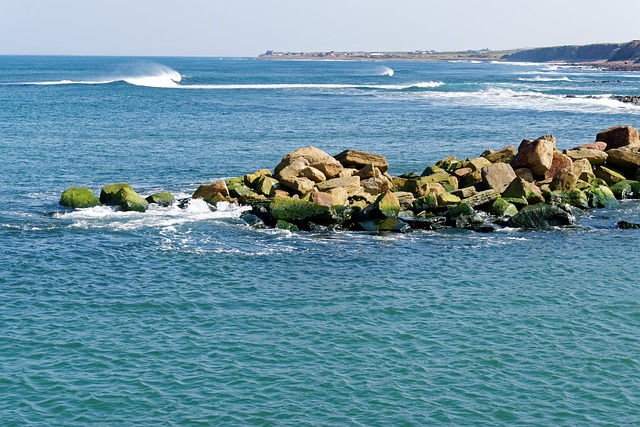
(189,317)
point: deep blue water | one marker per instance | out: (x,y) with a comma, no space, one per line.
(177,317)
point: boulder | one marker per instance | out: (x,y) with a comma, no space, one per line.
(351,184)
(482,198)
(448,199)
(266,185)
(626,159)
(298,184)
(339,196)
(462,172)
(598,145)
(521,189)
(501,207)
(541,216)
(576,198)
(79,197)
(386,225)
(619,136)
(376,186)
(284,225)
(536,155)
(462,216)
(369,171)
(164,199)
(386,205)
(108,193)
(474,179)
(449,164)
(313,174)
(465,192)
(583,170)
(249,179)
(595,157)
(560,162)
(626,189)
(426,203)
(359,159)
(498,176)
(208,192)
(626,225)
(129,200)
(525,174)
(564,180)
(476,164)
(502,155)
(309,156)
(601,196)
(299,212)
(608,175)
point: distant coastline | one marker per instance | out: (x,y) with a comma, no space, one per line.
(606,56)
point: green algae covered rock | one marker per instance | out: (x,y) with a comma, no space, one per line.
(575,198)
(79,197)
(108,193)
(299,211)
(462,216)
(426,203)
(164,199)
(386,205)
(501,207)
(541,216)
(626,189)
(284,225)
(601,197)
(129,200)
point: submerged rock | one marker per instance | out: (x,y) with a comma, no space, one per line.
(392,225)
(79,197)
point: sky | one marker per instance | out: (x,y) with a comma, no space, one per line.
(250,27)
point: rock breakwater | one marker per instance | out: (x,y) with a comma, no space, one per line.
(533,186)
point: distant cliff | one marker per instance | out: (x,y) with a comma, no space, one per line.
(610,52)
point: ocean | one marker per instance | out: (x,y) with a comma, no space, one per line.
(190,317)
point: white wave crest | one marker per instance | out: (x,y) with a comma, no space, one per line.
(155,217)
(422,85)
(545,79)
(385,71)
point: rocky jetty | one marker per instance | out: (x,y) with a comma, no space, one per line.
(534,186)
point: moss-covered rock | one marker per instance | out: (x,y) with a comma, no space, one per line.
(601,197)
(284,225)
(609,175)
(426,203)
(164,199)
(299,211)
(462,216)
(575,198)
(500,207)
(626,189)
(266,185)
(108,193)
(129,200)
(390,225)
(79,197)
(386,205)
(251,178)
(541,216)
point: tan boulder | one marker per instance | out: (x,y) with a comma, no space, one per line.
(313,174)
(497,176)
(521,189)
(583,169)
(626,158)
(339,196)
(502,155)
(351,184)
(210,191)
(462,172)
(359,159)
(595,157)
(299,184)
(310,156)
(619,136)
(291,169)
(598,145)
(564,180)
(536,155)
(476,164)
(251,178)
(525,174)
(320,198)
(560,162)
(347,172)
(376,185)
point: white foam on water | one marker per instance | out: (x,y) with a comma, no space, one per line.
(155,217)
(385,71)
(545,79)
(271,86)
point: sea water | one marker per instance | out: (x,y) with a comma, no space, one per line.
(190,317)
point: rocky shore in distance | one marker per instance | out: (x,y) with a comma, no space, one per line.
(535,186)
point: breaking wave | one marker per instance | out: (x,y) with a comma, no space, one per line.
(385,71)
(545,79)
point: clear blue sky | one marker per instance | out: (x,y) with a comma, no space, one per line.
(249,27)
